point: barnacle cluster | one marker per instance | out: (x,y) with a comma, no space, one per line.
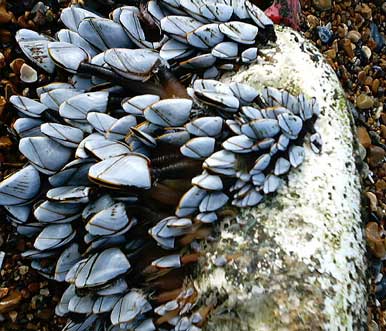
(132,158)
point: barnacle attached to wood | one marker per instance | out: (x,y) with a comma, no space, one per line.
(134,156)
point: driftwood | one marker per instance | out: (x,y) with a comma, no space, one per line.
(296,262)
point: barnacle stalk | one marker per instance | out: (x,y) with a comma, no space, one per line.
(118,198)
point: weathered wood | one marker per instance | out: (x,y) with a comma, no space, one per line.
(298,259)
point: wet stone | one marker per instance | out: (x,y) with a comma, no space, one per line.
(5,142)
(380,185)
(322,4)
(373,200)
(366,11)
(362,76)
(347,47)
(10,301)
(364,101)
(364,137)
(374,240)
(331,53)
(354,36)
(375,86)
(376,155)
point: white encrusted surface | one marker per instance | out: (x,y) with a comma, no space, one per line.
(298,262)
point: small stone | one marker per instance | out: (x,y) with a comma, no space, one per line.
(3,102)
(384,7)
(365,10)
(25,293)
(32,326)
(5,16)
(28,74)
(45,314)
(33,287)
(380,185)
(354,36)
(383,131)
(2,61)
(322,4)
(373,200)
(5,143)
(23,270)
(364,137)
(16,65)
(10,301)
(330,53)
(45,292)
(312,21)
(358,20)
(368,81)
(362,76)
(367,51)
(342,30)
(374,240)
(13,315)
(376,155)
(383,118)
(375,86)
(363,101)
(348,47)
(3,292)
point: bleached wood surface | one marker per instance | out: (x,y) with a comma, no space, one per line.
(298,260)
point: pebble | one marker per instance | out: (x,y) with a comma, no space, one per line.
(10,301)
(34,287)
(364,101)
(342,30)
(5,143)
(348,47)
(23,269)
(380,185)
(3,292)
(375,85)
(367,51)
(45,314)
(376,155)
(3,102)
(383,131)
(313,21)
(366,11)
(2,61)
(362,76)
(16,65)
(322,4)
(374,240)
(384,7)
(331,53)
(13,315)
(368,81)
(373,200)
(364,137)
(354,36)
(5,16)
